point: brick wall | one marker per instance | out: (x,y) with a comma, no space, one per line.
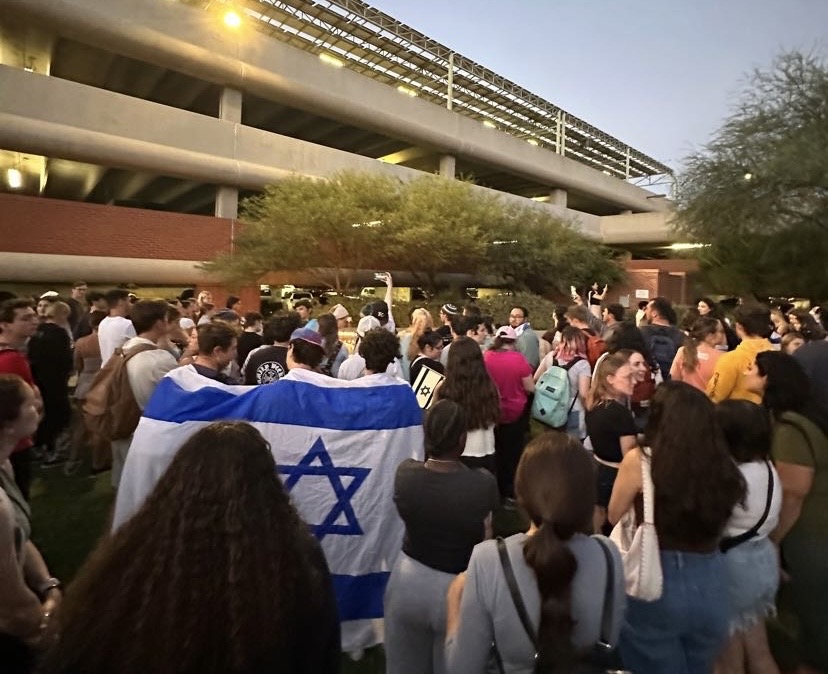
(53,226)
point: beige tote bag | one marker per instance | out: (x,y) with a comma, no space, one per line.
(638,544)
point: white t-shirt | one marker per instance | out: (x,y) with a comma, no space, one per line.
(480,442)
(745,517)
(113,332)
(353,367)
(146,369)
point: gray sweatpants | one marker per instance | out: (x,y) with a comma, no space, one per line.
(415,618)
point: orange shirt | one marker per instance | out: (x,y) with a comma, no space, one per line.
(708,357)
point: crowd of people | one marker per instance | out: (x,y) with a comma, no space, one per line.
(724,414)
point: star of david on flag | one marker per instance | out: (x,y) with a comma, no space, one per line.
(326,468)
(336,445)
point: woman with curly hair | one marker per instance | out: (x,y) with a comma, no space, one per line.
(561,574)
(696,486)
(216,574)
(468,384)
(421,321)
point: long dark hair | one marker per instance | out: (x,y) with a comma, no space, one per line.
(468,384)
(697,483)
(788,388)
(701,329)
(329,331)
(555,484)
(213,574)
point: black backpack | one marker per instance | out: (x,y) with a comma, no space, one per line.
(663,351)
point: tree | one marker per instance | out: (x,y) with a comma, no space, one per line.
(757,195)
(536,251)
(439,227)
(326,227)
(427,226)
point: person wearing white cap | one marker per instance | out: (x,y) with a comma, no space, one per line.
(342,316)
(513,378)
(354,365)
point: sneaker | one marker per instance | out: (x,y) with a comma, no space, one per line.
(55,459)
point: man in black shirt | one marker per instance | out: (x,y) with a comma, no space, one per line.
(268,363)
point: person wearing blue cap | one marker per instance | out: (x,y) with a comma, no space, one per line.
(306,350)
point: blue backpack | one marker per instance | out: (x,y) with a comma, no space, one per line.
(554,399)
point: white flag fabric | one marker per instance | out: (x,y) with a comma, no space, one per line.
(337,445)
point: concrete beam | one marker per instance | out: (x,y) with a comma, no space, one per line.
(28,268)
(63,119)
(637,228)
(193,42)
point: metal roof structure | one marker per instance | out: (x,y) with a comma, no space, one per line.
(355,35)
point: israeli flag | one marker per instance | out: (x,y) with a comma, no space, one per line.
(337,445)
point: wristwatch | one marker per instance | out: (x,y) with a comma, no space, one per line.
(50,584)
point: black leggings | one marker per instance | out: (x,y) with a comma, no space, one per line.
(510,439)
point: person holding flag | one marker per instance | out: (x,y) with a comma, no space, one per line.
(337,445)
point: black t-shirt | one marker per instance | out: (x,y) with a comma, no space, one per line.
(418,364)
(445,332)
(247,342)
(266,365)
(443,512)
(606,424)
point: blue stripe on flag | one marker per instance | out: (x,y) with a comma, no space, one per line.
(357,408)
(360,597)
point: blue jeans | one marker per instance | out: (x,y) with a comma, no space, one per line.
(682,632)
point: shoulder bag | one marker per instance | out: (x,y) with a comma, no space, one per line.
(596,662)
(638,544)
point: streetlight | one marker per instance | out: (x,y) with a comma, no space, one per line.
(232,19)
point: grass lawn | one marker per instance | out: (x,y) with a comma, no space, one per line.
(70,513)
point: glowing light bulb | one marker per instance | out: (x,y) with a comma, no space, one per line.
(232,19)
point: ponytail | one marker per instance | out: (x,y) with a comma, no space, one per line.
(554,566)
(702,328)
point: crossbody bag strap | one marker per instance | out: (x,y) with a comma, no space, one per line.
(647,489)
(605,638)
(732,541)
(567,367)
(511,582)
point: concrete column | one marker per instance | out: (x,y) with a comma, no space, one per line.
(447,165)
(227,202)
(230,109)
(557,197)
(230,105)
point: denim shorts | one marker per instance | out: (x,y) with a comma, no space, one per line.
(752,582)
(684,630)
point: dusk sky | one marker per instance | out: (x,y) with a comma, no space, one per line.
(661,76)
